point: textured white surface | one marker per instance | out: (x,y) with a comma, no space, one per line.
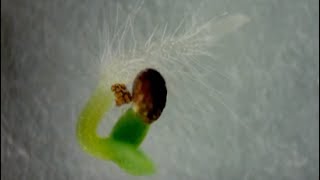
(252,114)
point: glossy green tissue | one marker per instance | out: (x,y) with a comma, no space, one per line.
(122,145)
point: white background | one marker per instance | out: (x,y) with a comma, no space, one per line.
(263,123)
